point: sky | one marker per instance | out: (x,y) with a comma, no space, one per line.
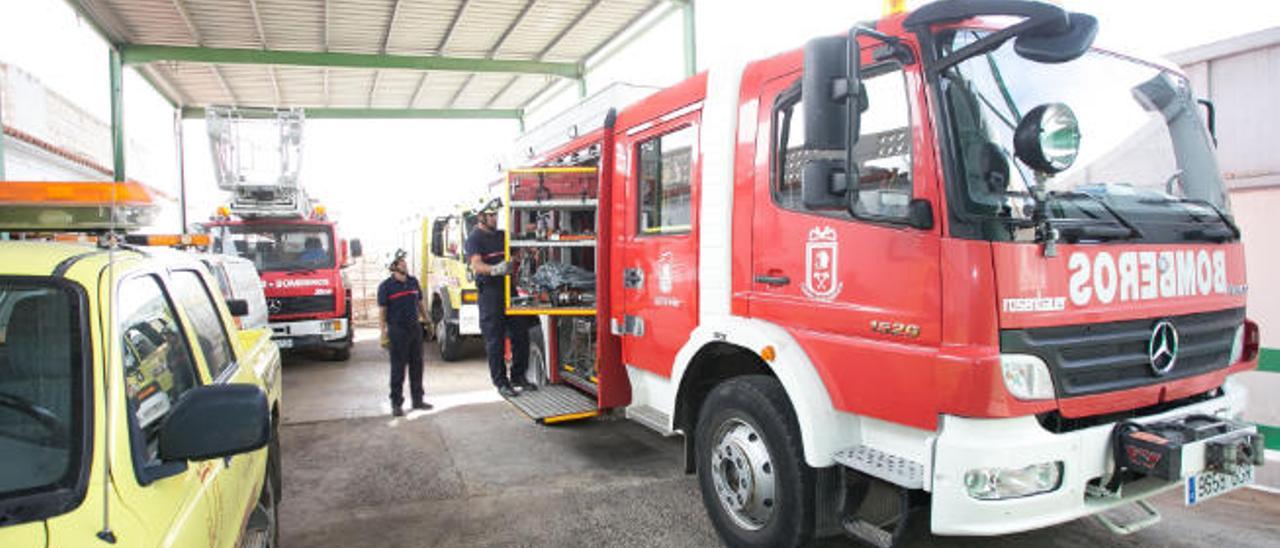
(373,175)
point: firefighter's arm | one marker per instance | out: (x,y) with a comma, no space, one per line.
(479,267)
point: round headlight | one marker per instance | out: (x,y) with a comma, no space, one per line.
(1048,138)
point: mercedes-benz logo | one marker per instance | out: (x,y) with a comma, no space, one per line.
(1162,349)
(274,306)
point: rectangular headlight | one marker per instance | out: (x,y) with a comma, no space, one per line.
(1009,483)
(1026,376)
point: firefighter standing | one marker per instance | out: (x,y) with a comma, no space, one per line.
(486,257)
(401,307)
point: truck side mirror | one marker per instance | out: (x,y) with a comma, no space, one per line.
(829,90)
(437,236)
(356,248)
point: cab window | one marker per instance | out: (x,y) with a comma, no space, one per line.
(882,153)
(42,399)
(203,314)
(665,170)
(158,364)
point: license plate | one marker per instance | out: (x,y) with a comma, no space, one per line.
(284,343)
(1209,484)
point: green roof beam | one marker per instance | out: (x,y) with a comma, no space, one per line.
(382,113)
(134,54)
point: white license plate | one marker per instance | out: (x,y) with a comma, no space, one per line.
(1209,484)
(284,343)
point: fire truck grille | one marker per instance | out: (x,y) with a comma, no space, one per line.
(1105,357)
(300,305)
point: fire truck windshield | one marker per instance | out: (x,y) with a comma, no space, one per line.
(1144,165)
(277,247)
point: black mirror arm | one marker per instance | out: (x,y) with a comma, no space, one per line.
(985,44)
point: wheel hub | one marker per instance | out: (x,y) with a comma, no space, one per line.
(743,475)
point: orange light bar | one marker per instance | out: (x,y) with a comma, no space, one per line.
(129,193)
(169,240)
(320,211)
(223,212)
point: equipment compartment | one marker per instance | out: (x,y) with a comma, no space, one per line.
(551,238)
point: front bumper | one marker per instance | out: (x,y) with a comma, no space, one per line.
(964,444)
(326,333)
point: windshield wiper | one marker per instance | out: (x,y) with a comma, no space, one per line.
(1221,215)
(1094,228)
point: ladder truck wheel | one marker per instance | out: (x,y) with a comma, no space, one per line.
(751,470)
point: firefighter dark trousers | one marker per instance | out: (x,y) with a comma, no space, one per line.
(496,327)
(406,353)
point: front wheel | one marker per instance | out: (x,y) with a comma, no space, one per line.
(756,487)
(263,529)
(449,341)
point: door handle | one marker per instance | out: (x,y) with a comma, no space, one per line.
(776,281)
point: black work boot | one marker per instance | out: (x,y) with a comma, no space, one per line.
(507,391)
(397,411)
(525,386)
(422,405)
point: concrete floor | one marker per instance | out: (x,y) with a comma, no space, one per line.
(474,472)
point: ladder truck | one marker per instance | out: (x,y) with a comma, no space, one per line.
(270,220)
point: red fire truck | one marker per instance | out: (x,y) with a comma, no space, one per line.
(981,275)
(271,221)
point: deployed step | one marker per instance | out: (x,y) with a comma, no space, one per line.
(555,403)
(891,468)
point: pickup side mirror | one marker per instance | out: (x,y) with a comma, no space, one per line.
(238,307)
(216,421)
(356,248)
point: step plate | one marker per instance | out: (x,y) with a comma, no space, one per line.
(891,468)
(555,403)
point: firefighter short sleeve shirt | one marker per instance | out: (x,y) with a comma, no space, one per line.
(400,299)
(488,244)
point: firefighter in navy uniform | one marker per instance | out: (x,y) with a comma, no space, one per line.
(401,306)
(486,256)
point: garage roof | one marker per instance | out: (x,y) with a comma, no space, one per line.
(361,58)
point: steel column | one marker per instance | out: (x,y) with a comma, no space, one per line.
(180,144)
(2,134)
(690,39)
(117,115)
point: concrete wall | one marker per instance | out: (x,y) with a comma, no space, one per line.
(1241,76)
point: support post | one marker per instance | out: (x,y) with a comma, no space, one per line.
(180,145)
(582,88)
(521,120)
(690,39)
(2,135)
(117,115)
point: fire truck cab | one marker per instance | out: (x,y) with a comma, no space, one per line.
(958,268)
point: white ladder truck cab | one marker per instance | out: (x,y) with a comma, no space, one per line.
(958,269)
(271,221)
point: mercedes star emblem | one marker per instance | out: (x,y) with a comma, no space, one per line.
(274,305)
(1162,349)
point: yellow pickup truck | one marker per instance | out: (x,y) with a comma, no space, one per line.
(133,411)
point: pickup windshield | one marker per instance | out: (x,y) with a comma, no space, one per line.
(1145,170)
(278,247)
(41,419)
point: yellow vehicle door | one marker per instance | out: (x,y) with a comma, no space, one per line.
(238,482)
(177,503)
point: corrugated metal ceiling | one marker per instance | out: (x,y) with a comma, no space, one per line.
(562,31)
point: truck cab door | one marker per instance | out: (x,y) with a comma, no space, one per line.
(657,183)
(859,290)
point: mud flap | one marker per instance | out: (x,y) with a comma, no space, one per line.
(880,514)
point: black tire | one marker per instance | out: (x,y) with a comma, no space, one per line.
(537,372)
(263,529)
(448,340)
(274,464)
(340,354)
(754,411)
